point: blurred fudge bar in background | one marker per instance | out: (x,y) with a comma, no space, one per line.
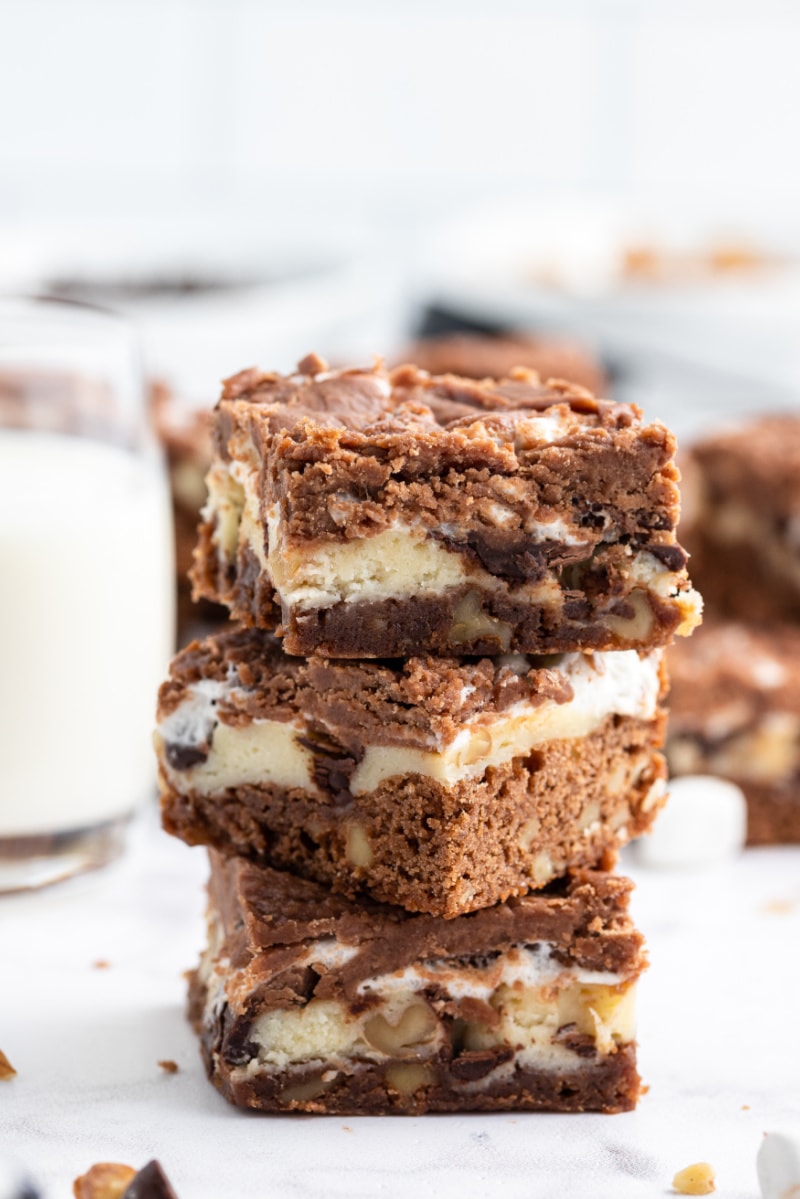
(185,434)
(735,712)
(482,356)
(741,519)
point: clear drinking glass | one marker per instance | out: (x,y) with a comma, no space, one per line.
(86,589)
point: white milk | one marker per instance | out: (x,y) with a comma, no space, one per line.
(86,627)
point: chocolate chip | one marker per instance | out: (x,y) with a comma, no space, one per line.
(183,757)
(674,557)
(334,765)
(475,1064)
(581,1044)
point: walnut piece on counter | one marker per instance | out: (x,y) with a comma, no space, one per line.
(112,1180)
(697,1179)
(104,1180)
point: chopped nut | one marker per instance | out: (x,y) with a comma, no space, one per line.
(695,1180)
(168,1065)
(409,1077)
(637,626)
(590,814)
(542,868)
(6,1069)
(471,623)
(302,1092)
(618,779)
(480,743)
(105,1180)
(359,852)
(656,795)
(528,833)
(416,1026)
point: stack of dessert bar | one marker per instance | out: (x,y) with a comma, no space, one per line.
(415,756)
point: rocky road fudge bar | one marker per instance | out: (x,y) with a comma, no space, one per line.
(375,514)
(305,1001)
(440,784)
(743,523)
(735,712)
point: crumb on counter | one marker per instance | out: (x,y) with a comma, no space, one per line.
(697,1179)
(6,1069)
(168,1065)
(100,964)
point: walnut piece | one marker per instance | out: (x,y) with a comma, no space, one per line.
(697,1179)
(105,1180)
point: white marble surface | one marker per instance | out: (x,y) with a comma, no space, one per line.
(719,1036)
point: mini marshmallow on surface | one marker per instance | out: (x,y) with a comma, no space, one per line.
(778,1165)
(704,821)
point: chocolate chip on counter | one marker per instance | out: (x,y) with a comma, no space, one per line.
(15,1183)
(150,1183)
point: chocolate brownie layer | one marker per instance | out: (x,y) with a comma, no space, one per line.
(305,1001)
(369,514)
(743,524)
(735,712)
(480,356)
(441,784)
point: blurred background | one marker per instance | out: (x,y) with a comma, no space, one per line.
(251,180)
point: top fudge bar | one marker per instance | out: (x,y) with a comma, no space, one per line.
(366,513)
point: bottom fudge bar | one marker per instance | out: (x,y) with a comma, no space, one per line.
(735,712)
(442,785)
(307,1001)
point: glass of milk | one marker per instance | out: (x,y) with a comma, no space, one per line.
(86,589)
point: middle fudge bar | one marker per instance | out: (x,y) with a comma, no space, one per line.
(374,514)
(440,784)
(305,1001)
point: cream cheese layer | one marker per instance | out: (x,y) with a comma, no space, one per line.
(272,752)
(401,561)
(526,994)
